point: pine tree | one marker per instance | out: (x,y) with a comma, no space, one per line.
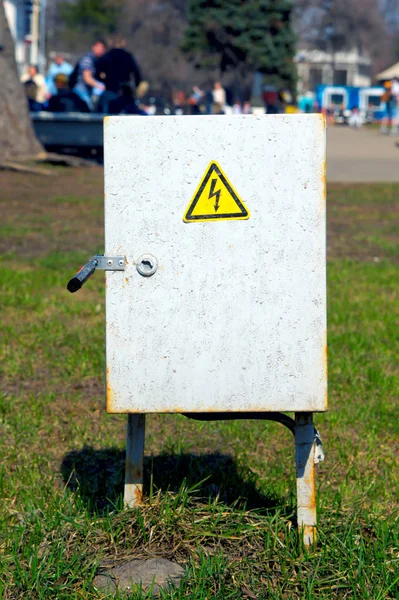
(243,36)
(96,17)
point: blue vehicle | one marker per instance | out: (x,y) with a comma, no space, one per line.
(341,100)
(370,101)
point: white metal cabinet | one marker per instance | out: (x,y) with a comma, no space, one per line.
(234,318)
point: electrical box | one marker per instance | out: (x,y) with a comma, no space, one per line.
(222,303)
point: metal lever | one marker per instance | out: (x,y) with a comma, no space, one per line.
(82,276)
(104,263)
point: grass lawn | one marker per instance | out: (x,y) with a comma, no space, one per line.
(220,497)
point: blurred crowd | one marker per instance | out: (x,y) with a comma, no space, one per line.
(214,99)
(103,80)
(108,81)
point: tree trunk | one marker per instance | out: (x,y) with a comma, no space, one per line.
(17,137)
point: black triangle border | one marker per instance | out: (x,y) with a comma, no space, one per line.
(215,169)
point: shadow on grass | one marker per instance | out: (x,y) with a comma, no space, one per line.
(98,477)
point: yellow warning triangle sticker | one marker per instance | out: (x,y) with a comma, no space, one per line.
(215,199)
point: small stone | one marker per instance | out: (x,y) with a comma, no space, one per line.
(155,572)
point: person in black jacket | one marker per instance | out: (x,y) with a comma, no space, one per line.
(118,67)
(125,103)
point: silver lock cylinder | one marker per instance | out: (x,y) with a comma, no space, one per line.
(146,265)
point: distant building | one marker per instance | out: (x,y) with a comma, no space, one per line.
(316,67)
(26,19)
(389,73)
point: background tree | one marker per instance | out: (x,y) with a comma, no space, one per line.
(390,11)
(154,30)
(242,37)
(87,19)
(16,133)
(335,25)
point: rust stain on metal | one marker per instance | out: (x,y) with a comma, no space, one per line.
(134,474)
(138,474)
(322,123)
(309,535)
(310,480)
(109,395)
(165,410)
(305,476)
(138,493)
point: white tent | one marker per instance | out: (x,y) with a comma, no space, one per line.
(389,73)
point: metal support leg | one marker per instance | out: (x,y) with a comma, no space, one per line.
(134,460)
(305,446)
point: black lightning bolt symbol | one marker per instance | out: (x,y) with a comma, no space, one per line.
(213,193)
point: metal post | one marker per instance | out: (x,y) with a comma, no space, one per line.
(305,477)
(134,460)
(42,36)
(34,47)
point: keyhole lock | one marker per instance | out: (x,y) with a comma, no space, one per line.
(147,265)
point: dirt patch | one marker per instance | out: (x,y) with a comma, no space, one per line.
(65,213)
(89,388)
(41,215)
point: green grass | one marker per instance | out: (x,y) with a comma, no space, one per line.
(220,497)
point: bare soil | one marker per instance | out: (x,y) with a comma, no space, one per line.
(64,213)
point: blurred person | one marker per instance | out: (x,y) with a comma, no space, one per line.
(208,98)
(270,99)
(390,109)
(247,108)
(285,98)
(84,74)
(195,100)
(395,93)
(142,90)
(65,100)
(369,114)
(179,102)
(58,67)
(125,103)
(118,66)
(30,89)
(219,98)
(306,102)
(355,120)
(33,76)
(329,116)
